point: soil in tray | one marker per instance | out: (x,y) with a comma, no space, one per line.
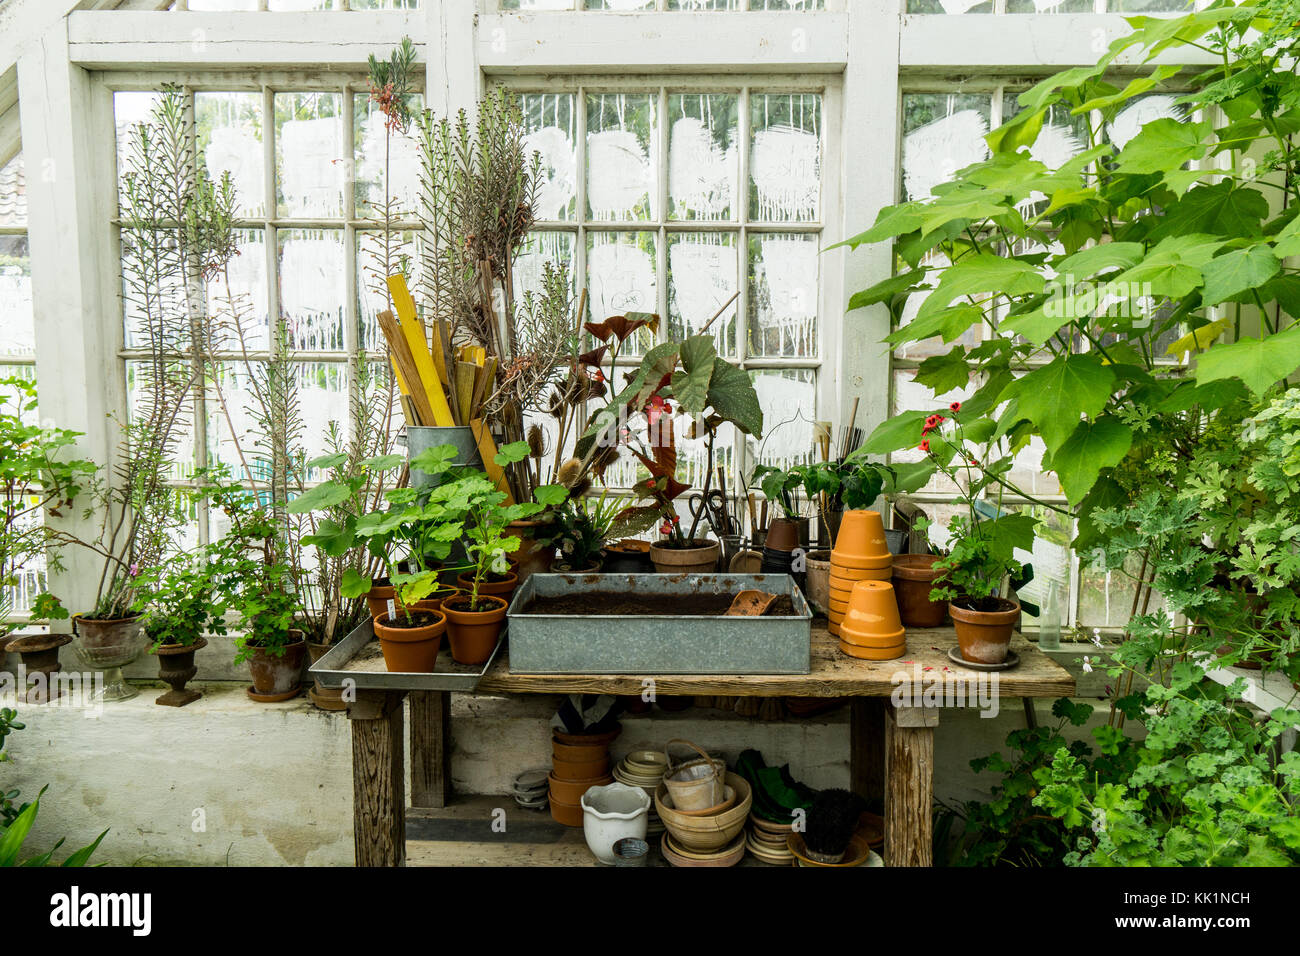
(631,605)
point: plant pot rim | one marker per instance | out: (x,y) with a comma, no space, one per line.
(917,567)
(300,639)
(197,644)
(36,643)
(466,578)
(108,620)
(451,613)
(696,544)
(1007,612)
(410,635)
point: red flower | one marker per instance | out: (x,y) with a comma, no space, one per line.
(925,445)
(931,422)
(677,519)
(598,375)
(658,406)
(650,483)
(665,529)
(955,406)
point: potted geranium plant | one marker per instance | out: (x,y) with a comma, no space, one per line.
(980,556)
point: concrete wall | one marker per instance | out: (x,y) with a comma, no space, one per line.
(228,780)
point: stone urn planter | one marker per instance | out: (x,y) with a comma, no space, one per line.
(40,656)
(277,678)
(108,645)
(176,669)
(700,558)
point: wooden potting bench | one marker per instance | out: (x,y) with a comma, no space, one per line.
(895,710)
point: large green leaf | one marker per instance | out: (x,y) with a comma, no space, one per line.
(1094,446)
(1103,257)
(323,496)
(1172,267)
(983,273)
(890,222)
(944,373)
(1055,396)
(1238,271)
(1161,146)
(1222,208)
(732,395)
(1260,363)
(887,289)
(895,433)
(1008,532)
(691,382)
(950,324)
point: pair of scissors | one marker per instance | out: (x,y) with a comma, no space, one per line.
(714,506)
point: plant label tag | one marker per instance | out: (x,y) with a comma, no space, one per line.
(392,609)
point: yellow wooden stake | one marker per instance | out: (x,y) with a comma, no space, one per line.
(487,449)
(419,345)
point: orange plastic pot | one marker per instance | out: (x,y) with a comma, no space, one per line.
(411,650)
(872,620)
(502,589)
(861,541)
(984,636)
(473,634)
(914,576)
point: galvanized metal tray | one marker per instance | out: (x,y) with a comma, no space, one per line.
(358,658)
(658,643)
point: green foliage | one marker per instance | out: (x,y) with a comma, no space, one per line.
(13,836)
(35,477)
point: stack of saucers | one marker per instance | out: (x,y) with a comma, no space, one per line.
(766,840)
(644,769)
(530,789)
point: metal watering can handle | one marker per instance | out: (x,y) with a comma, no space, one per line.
(709,761)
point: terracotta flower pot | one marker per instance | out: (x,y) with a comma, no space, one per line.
(847,577)
(377,598)
(818,565)
(587,738)
(473,634)
(914,577)
(503,588)
(782,535)
(580,769)
(861,542)
(278,678)
(628,556)
(702,558)
(176,669)
(571,791)
(984,636)
(326,698)
(531,558)
(872,620)
(411,650)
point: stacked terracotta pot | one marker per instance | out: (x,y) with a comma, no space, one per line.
(579,762)
(871,629)
(860,554)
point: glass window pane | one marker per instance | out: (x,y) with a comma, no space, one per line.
(130,108)
(235,436)
(622,5)
(552,124)
(788,398)
(621,278)
(238,300)
(323,404)
(380,254)
(538,249)
(942,133)
(950,6)
(17,328)
(783,295)
(536,4)
(384,4)
(137,391)
(917,351)
(1050,6)
(1062,137)
(229,127)
(702,276)
(379,151)
(787,4)
(297,6)
(704,4)
(703,163)
(223,5)
(145,281)
(13,193)
(308,149)
(621,167)
(312,290)
(785,157)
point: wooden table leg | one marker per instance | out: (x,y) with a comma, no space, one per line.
(909,785)
(378,779)
(430,748)
(867,748)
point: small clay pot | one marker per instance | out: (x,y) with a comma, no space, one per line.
(782,535)
(473,634)
(176,669)
(503,588)
(531,558)
(700,558)
(40,655)
(411,650)
(819,579)
(594,566)
(587,738)
(628,556)
(984,636)
(571,791)
(914,576)
(580,769)
(845,578)
(871,621)
(326,698)
(861,542)
(570,814)
(278,678)
(377,598)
